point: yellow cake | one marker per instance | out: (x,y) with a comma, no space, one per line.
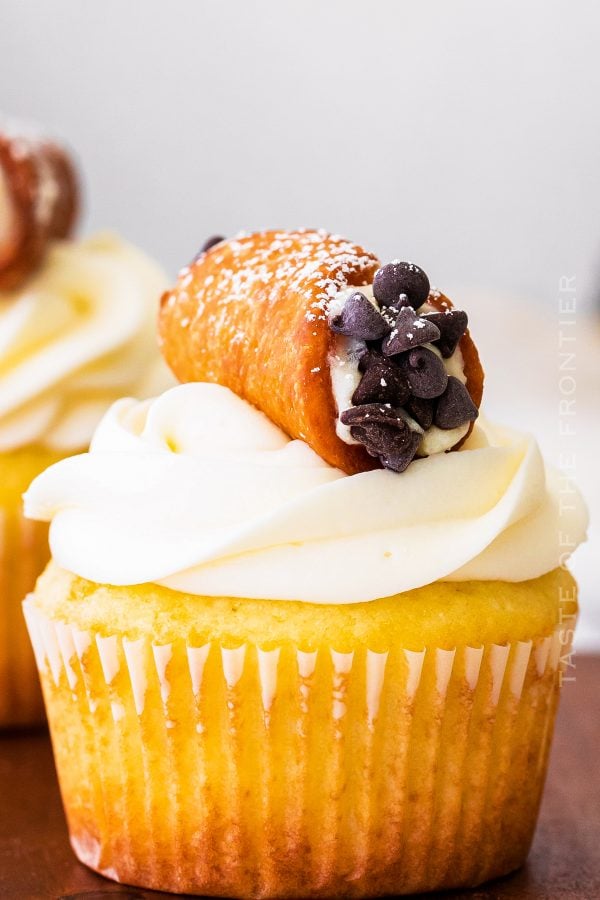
(67,351)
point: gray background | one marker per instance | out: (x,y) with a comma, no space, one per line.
(464,135)
(461,135)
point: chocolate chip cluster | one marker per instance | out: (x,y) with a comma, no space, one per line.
(403,381)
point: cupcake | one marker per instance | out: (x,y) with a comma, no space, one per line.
(302,631)
(76,332)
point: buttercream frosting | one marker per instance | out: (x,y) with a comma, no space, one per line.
(77,336)
(199,491)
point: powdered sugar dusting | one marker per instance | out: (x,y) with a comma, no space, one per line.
(313,264)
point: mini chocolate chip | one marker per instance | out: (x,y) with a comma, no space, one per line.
(384,433)
(381,439)
(371,413)
(410,330)
(421,410)
(377,437)
(401,278)
(362,434)
(452,325)
(211,241)
(400,461)
(425,372)
(455,406)
(382,382)
(366,359)
(208,243)
(360,319)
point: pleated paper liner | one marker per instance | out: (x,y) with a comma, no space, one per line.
(249,772)
(23,555)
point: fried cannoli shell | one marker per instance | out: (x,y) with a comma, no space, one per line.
(39,196)
(251,314)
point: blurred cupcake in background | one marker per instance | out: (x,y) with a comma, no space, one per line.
(76,332)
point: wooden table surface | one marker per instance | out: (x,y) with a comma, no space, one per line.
(36,862)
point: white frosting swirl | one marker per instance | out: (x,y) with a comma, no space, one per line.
(199,491)
(77,336)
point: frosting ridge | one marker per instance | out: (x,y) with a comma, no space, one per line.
(199,491)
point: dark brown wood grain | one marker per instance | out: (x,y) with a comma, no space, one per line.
(36,862)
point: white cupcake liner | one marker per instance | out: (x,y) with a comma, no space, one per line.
(281,772)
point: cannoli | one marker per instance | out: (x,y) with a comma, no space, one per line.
(364,362)
(38,202)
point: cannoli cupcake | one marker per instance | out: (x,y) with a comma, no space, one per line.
(302,631)
(76,332)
